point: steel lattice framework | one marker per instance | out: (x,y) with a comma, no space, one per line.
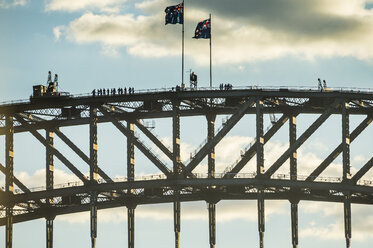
(180,183)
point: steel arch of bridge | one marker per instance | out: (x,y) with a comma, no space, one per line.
(180,183)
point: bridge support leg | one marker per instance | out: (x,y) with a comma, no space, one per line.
(346,170)
(131,227)
(177,223)
(261,219)
(347,221)
(211,174)
(93,175)
(93,221)
(260,168)
(293,176)
(131,178)
(9,228)
(49,227)
(9,179)
(176,167)
(212,224)
(294,224)
(49,185)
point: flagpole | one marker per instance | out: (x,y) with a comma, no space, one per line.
(210,54)
(182,56)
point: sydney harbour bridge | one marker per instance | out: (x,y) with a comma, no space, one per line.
(43,118)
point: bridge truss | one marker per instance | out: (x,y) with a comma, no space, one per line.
(180,183)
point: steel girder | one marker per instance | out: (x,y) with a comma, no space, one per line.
(177,188)
(195,189)
(302,138)
(55,152)
(49,182)
(9,180)
(147,152)
(131,177)
(232,121)
(333,155)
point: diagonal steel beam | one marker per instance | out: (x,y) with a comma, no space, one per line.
(73,147)
(250,153)
(322,118)
(324,164)
(20,184)
(80,153)
(154,139)
(55,152)
(362,171)
(202,153)
(137,143)
(16,181)
(159,144)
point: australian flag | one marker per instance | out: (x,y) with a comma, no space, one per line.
(175,14)
(203,30)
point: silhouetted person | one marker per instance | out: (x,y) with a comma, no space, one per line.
(49,77)
(319,85)
(56,79)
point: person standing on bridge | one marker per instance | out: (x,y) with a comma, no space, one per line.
(49,77)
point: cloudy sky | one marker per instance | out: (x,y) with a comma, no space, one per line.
(117,43)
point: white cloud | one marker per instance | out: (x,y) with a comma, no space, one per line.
(57,32)
(362,221)
(226,211)
(107,6)
(244,31)
(5,4)
(20,2)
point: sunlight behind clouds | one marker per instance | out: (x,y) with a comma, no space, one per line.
(241,31)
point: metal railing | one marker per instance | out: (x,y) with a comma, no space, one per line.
(253,87)
(249,175)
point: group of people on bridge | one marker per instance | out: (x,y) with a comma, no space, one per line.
(113,91)
(225,87)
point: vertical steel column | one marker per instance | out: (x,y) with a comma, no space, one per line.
(49,185)
(210,136)
(293,176)
(260,168)
(93,172)
(346,141)
(9,179)
(346,170)
(211,174)
(131,178)
(176,168)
